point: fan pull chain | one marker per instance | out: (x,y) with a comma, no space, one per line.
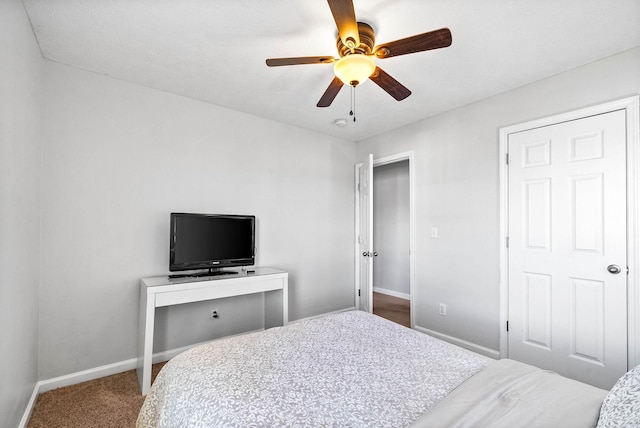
(353,103)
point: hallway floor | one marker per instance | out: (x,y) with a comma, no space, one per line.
(392,308)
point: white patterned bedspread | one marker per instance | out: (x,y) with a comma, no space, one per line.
(351,369)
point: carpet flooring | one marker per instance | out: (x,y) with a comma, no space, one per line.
(114,401)
(109,402)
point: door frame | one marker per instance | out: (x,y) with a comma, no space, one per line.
(631,106)
(399,157)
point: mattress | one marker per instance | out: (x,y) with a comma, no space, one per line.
(351,369)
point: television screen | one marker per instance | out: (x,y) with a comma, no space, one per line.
(211,241)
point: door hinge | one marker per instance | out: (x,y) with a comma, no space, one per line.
(506,158)
(358,292)
(507,242)
(507,325)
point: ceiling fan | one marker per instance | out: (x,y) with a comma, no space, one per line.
(356,47)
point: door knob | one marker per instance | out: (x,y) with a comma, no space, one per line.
(613,269)
(365,254)
(375,254)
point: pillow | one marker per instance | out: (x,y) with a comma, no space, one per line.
(621,407)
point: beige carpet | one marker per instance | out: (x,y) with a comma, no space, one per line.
(112,401)
(392,308)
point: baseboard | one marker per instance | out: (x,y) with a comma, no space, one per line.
(130,364)
(102,371)
(72,379)
(30,405)
(392,293)
(322,315)
(119,367)
(491,353)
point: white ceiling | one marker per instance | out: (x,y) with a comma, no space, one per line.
(215,50)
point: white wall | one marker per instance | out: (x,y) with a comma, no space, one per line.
(391,228)
(456,188)
(118,158)
(21,80)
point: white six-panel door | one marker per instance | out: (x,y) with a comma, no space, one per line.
(567,238)
(365,238)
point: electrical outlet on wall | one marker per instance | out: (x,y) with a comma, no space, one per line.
(443,309)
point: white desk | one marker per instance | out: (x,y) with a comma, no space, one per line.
(162,291)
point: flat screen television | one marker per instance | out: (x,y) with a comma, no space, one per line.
(211,241)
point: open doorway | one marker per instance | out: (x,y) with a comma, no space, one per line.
(367,254)
(391,240)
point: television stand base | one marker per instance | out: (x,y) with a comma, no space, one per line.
(214,273)
(210,272)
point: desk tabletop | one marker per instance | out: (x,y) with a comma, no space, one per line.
(157,281)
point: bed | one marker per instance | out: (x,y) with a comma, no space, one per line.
(354,369)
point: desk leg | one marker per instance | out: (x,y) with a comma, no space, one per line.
(145,339)
(276,307)
(285,302)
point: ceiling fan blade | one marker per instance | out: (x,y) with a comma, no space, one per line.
(345,17)
(331,92)
(389,84)
(277,62)
(421,42)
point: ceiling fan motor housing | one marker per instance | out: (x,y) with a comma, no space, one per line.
(367,42)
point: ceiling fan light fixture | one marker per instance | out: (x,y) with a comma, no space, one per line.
(354,69)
